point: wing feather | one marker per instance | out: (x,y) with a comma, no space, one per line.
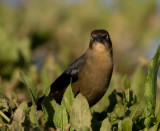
(60,84)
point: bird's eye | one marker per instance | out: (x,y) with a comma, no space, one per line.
(106,36)
(91,38)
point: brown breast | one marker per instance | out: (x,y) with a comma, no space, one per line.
(94,77)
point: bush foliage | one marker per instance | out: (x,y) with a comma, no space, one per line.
(123,111)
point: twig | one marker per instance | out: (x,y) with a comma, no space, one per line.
(4,116)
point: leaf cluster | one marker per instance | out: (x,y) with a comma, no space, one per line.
(125,112)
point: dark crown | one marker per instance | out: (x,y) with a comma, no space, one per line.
(99,32)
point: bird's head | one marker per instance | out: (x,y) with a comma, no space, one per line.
(100,38)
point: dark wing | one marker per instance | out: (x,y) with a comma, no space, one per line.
(59,85)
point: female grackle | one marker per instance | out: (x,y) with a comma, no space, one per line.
(90,74)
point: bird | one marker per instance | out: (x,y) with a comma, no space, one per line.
(90,74)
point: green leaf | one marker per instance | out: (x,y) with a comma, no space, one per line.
(149,121)
(120,126)
(31,86)
(112,117)
(128,94)
(60,117)
(47,111)
(151,84)
(45,82)
(118,113)
(120,110)
(19,117)
(127,97)
(71,128)
(138,81)
(106,125)
(84,128)
(4,107)
(81,115)
(33,116)
(125,125)
(136,111)
(154,128)
(68,99)
(126,82)
(158,115)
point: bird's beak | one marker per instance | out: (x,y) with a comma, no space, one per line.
(100,38)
